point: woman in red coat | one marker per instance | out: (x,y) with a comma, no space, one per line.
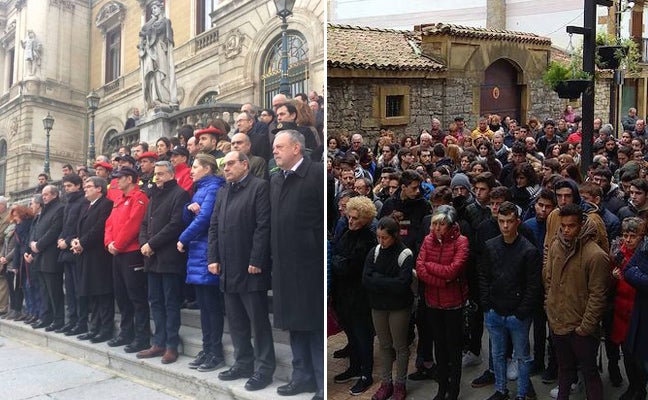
(633,230)
(441,266)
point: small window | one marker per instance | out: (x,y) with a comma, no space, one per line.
(391,107)
(394,106)
(11,55)
(113,54)
(203,9)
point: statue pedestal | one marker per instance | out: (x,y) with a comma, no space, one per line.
(154,127)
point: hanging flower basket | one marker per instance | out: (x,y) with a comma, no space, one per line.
(571,88)
(610,57)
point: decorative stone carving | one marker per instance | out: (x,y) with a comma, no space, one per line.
(20,4)
(233,44)
(111,14)
(67,5)
(33,51)
(13,126)
(9,36)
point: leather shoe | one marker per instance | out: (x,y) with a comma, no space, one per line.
(258,381)
(101,338)
(233,374)
(65,328)
(319,395)
(77,330)
(170,356)
(136,346)
(40,324)
(153,351)
(120,341)
(293,388)
(21,317)
(87,336)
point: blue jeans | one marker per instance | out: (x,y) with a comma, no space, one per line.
(500,327)
(212,318)
(165,295)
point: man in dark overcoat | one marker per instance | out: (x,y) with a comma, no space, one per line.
(297,247)
(43,246)
(239,251)
(94,261)
(166,267)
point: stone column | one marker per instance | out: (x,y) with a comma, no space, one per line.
(496,14)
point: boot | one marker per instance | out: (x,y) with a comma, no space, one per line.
(399,391)
(384,392)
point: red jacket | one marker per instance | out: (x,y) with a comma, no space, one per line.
(441,267)
(183,178)
(123,225)
(623,302)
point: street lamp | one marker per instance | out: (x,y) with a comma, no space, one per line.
(48,123)
(284,10)
(92,101)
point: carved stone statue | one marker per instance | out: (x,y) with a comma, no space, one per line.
(33,50)
(156,60)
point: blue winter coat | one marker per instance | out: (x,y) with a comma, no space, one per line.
(195,236)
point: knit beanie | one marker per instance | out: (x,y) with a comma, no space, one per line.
(460,180)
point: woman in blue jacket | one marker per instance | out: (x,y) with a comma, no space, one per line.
(197,215)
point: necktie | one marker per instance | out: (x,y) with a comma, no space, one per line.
(287,173)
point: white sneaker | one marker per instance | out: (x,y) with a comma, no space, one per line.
(470,359)
(575,388)
(512,370)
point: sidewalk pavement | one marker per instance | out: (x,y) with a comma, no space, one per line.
(36,373)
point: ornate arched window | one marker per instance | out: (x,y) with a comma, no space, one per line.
(209,97)
(111,142)
(3,166)
(297,66)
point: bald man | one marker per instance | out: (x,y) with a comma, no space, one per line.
(258,166)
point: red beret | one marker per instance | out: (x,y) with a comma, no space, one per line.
(211,130)
(104,164)
(149,154)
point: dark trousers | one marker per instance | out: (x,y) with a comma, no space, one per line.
(475,329)
(52,298)
(446,327)
(103,313)
(425,345)
(247,314)
(71,284)
(308,357)
(15,290)
(574,351)
(166,296)
(212,318)
(637,378)
(129,285)
(612,350)
(31,288)
(359,330)
(540,337)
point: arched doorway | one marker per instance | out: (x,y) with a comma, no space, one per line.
(500,92)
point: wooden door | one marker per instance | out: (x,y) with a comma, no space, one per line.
(500,92)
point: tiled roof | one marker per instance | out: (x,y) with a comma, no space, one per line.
(481,33)
(357,47)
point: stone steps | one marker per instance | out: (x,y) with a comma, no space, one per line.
(177,376)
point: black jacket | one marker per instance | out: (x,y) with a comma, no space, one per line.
(510,277)
(413,212)
(71,213)
(46,230)
(386,282)
(161,227)
(95,262)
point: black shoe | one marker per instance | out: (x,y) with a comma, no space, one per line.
(319,395)
(65,328)
(499,396)
(615,374)
(344,352)
(234,373)
(257,382)
(53,326)
(40,324)
(119,341)
(346,376)
(293,388)
(212,362)
(135,346)
(101,338)
(550,375)
(29,320)
(87,336)
(77,330)
(192,305)
(487,378)
(200,358)
(423,374)
(361,386)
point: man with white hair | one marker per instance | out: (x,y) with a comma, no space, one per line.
(425,143)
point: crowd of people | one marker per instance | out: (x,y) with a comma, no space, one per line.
(214,217)
(436,236)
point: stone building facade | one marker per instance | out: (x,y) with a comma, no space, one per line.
(439,71)
(225,52)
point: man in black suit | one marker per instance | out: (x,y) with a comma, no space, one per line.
(43,246)
(94,262)
(239,251)
(297,235)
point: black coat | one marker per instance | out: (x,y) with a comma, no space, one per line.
(636,274)
(297,246)
(388,284)
(45,232)
(161,228)
(71,214)
(21,237)
(239,235)
(95,261)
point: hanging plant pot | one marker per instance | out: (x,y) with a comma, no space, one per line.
(610,57)
(572,88)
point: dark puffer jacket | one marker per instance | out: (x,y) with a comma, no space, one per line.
(441,266)
(194,236)
(387,282)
